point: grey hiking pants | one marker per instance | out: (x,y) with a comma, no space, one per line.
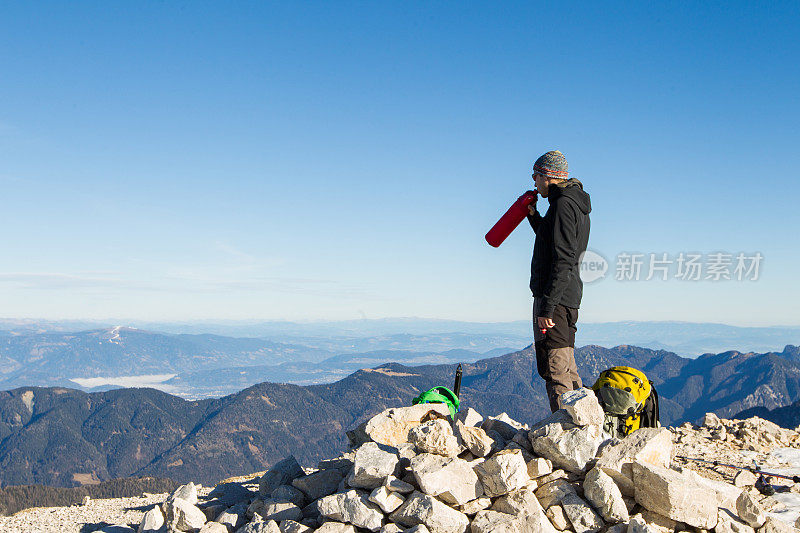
(555,352)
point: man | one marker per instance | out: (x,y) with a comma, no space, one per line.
(561,238)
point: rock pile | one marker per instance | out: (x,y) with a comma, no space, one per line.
(411,470)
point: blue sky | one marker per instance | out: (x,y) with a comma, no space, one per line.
(332,160)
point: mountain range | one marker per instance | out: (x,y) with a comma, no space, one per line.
(66,437)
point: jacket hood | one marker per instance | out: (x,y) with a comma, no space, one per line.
(573,189)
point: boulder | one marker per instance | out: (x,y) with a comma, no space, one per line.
(435,436)
(571,448)
(538,467)
(229,494)
(729,523)
(213,527)
(318,484)
(744,478)
(282,473)
(646,445)
(181,515)
(423,509)
(494,522)
(352,508)
(478,504)
(474,439)
(335,527)
(503,472)
(288,493)
(451,479)
(638,524)
(775,525)
(517,502)
(503,424)
(555,513)
(270,509)
(750,511)
(259,526)
(419,528)
(187,493)
(397,485)
(151,521)
(343,463)
(582,407)
(711,421)
(469,417)
(581,515)
(385,499)
(371,466)
(391,527)
(291,526)
(605,496)
(674,495)
(233,517)
(391,426)
(554,492)
(725,493)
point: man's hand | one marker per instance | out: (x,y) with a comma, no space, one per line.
(545,323)
(532,208)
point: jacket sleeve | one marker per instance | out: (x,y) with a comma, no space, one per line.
(565,247)
(535,220)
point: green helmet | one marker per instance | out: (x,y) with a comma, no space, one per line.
(439,395)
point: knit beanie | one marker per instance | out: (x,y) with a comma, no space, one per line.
(553,164)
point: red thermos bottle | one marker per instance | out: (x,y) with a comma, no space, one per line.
(508,222)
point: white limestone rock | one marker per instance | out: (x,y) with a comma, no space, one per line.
(554,492)
(503,424)
(282,473)
(750,511)
(503,472)
(571,448)
(423,509)
(469,417)
(478,504)
(397,485)
(335,527)
(539,466)
(582,406)
(213,527)
(318,484)
(555,513)
(603,493)
(270,509)
(744,478)
(474,439)
(435,436)
(646,445)
(292,526)
(451,479)
(233,517)
(181,515)
(775,525)
(288,493)
(391,426)
(580,514)
(674,495)
(151,521)
(352,508)
(385,499)
(371,465)
(638,524)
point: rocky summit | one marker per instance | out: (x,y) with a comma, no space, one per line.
(413,470)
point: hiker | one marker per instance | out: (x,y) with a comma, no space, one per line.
(561,238)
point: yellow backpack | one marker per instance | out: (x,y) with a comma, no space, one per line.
(628,398)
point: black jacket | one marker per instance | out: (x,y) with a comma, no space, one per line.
(561,237)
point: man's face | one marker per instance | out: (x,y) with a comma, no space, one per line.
(542,184)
